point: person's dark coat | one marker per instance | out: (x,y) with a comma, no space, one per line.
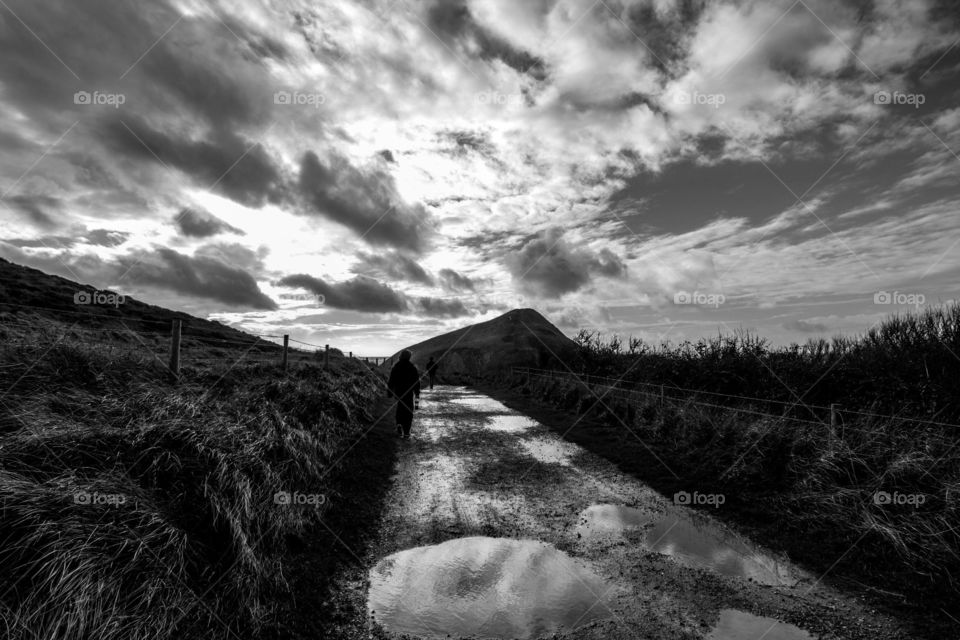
(432,368)
(404,384)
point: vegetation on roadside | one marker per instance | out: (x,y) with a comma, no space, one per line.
(132,507)
(879,495)
(908,366)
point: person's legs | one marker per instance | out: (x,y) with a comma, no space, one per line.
(405,414)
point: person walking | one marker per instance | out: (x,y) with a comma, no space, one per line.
(404,384)
(432,371)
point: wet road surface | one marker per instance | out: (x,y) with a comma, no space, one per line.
(498,528)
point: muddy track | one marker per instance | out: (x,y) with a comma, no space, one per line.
(532,529)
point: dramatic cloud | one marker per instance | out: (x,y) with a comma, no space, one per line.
(393,265)
(199,223)
(440,308)
(453,281)
(358,294)
(200,276)
(364,201)
(452,21)
(777,154)
(549,267)
(225,162)
(40,209)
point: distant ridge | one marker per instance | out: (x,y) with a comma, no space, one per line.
(518,338)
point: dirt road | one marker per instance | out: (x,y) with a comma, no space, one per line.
(496,527)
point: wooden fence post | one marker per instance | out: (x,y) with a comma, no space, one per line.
(834,420)
(286,346)
(175,348)
(351,354)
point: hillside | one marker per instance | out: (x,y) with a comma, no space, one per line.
(30,296)
(136,506)
(518,338)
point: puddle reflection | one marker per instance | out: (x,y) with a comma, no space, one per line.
(693,540)
(740,625)
(485,587)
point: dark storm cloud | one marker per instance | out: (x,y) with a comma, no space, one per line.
(98,237)
(805,327)
(393,265)
(37,208)
(200,276)
(664,32)
(452,22)
(198,223)
(105,237)
(195,63)
(365,201)
(453,281)
(440,308)
(203,277)
(548,266)
(357,294)
(225,162)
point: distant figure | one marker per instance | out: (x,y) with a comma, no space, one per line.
(432,370)
(404,384)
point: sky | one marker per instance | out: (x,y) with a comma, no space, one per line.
(367,173)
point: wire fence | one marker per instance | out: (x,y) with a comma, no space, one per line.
(836,418)
(171,343)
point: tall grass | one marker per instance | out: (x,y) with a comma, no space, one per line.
(183,536)
(909,365)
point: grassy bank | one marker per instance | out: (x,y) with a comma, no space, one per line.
(134,508)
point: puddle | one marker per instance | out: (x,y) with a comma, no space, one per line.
(486,588)
(548,451)
(608,518)
(478,401)
(693,540)
(510,424)
(740,625)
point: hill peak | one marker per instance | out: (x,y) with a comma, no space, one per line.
(519,337)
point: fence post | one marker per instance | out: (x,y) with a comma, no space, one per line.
(326,356)
(175,348)
(286,345)
(834,420)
